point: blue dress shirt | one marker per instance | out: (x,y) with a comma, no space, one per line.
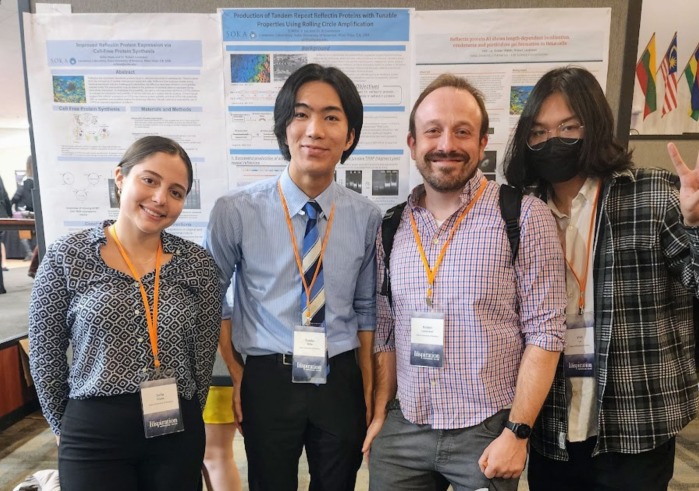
(249,239)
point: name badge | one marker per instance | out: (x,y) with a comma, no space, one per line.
(310,361)
(579,354)
(427,339)
(161,406)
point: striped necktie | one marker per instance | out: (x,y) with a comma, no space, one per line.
(311,256)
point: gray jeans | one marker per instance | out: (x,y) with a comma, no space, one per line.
(406,456)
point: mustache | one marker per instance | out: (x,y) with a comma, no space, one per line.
(441,155)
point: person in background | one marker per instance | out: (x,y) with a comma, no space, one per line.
(470,344)
(220,470)
(24,202)
(300,249)
(627,383)
(5,212)
(141,309)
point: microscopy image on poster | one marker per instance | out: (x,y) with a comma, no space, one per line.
(286,64)
(353,180)
(384,182)
(518,98)
(250,69)
(69,89)
(488,164)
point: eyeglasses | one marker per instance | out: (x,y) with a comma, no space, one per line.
(568,133)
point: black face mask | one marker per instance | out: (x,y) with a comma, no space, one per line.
(555,161)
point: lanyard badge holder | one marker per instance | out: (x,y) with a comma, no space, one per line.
(579,353)
(159,398)
(427,328)
(310,350)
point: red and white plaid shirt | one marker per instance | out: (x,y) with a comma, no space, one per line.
(492,309)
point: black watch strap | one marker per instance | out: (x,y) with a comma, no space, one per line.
(521,430)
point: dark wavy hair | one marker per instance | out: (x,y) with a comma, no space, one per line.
(459,83)
(285,105)
(144,147)
(601,154)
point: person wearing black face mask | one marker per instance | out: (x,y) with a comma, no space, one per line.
(627,383)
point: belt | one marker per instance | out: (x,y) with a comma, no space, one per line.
(288,359)
(393,404)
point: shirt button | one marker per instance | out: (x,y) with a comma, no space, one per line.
(434,383)
(435,241)
(145,369)
(177,252)
(135,312)
(140,340)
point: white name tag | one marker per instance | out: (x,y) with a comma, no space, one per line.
(161,407)
(310,360)
(579,354)
(427,339)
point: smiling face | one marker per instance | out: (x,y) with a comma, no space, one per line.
(447,146)
(152,193)
(317,135)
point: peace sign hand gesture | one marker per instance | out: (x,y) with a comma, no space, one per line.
(689,186)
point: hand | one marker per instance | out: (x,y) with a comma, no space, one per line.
(372,432)
(504,457)
(237,405)
(689,186)
(58,440)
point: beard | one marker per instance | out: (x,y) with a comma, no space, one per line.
(444,182)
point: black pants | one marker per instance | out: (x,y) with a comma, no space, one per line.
(103,447)
(646,471)
(280,417)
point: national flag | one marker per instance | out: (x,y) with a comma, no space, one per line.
(645,72)
(668,69)
(690,74)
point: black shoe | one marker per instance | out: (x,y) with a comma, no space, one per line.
(2,290)
(5,269)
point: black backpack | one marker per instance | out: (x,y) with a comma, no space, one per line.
(510,203)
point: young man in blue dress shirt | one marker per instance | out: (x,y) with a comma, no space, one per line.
(256,234)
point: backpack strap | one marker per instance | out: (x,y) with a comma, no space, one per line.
(510,204)
(389,226)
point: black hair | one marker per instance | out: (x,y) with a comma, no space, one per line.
(601,154)
(285,105)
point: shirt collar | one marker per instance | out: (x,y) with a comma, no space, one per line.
(296,199)
(467,193)
(585,196)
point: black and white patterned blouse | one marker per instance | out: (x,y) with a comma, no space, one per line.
(78,299)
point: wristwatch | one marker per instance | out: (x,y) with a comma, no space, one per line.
(521,430)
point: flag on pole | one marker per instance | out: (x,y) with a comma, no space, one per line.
(668,69)
(690,74)
(645,72)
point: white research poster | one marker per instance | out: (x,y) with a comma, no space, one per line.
(262,47)
(98,82)
(503,52)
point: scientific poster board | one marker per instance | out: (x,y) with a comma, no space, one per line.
(99,81)
(503,52)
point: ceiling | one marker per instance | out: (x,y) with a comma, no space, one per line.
(13,108)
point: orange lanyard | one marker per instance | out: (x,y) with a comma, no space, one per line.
(151,320)
(432,272)
(299,263)
(582,283)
